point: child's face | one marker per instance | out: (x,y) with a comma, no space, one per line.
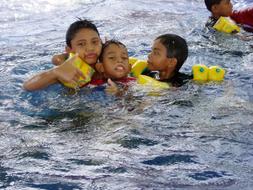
(224,8)
(115,62)
(157,58)
(87,44)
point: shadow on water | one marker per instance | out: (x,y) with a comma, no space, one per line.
(168,160)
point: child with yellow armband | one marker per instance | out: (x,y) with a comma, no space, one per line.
(219,20)
(113,68)
(83,39)
(168,54)
(224,19)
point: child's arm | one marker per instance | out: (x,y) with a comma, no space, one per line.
(66,72)
(40,81)
(58,59)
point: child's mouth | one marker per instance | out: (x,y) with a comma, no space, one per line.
(119,68)
(91,56)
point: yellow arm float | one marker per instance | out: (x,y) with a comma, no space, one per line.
(146,80)
(226,25)
(86,70)
(216,73)
(132,60)
(203,73)
(138,67)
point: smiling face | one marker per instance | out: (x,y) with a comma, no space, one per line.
(87,44)
(115,61)
(224,8)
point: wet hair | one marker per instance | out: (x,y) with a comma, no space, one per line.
(107,44)
(76,27)
(210,3)
(176,47)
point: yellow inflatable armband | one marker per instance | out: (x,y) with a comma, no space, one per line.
(138,67)
(146,80)
(86,70)
(132,60)
(226,25)
(200,72)
(203,73)
(216,73)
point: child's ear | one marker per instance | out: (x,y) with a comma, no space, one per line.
(214,8)
(172,63)
(99,67)
(169,70)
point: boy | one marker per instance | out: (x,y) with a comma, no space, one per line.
(82,38)
(224,8)
(168,54)
(218,8)
(114,62)
(114,67)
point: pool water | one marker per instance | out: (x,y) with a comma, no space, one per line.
(198,136)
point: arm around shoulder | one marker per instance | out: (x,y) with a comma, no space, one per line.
(58,59)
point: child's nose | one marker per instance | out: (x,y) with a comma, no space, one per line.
(90,47)
(120,60)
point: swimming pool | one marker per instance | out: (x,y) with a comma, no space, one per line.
(195,137)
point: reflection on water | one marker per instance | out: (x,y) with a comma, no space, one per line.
(198,136)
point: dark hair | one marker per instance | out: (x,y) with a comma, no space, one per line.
(210,3)
(176,48)
(107,44)
(76,26)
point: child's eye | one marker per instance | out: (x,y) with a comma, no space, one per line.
(124,58)
(81,44)
(156,53)
(112,58)
(95,42)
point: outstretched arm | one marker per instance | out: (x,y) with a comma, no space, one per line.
(65,73)
(40,81)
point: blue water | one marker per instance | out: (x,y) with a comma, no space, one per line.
(194,137)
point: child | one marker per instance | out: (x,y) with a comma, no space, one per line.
(114,61)
(114,65)
(218,8)
(168,54)
(82,38)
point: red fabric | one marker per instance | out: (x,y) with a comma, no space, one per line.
(126,80)
(97,82)
(243,16)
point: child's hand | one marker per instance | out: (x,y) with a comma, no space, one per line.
(67,72)
(111,87)
(59,58)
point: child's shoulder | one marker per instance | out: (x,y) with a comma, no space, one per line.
(180,79)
